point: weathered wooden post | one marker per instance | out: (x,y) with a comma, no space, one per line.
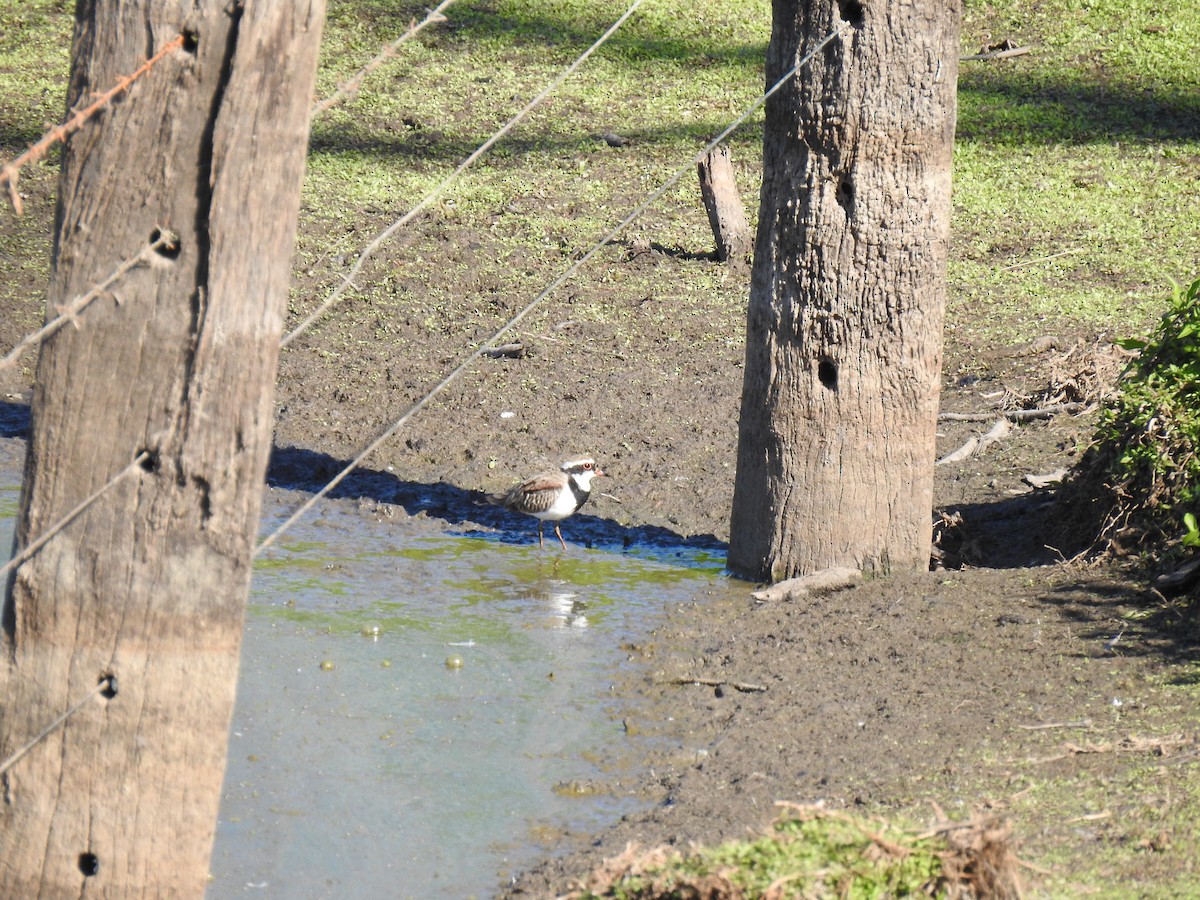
(145,590)
(848,290)
(726,215)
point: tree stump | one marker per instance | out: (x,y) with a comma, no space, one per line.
(726,215)
(847,295)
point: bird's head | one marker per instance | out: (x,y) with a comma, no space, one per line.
(582,471)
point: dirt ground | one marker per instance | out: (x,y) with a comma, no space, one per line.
(982,685)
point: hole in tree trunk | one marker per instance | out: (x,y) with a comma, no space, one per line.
(89,864)
(191,40)
(828,374)
(851,11)
(150,463)
(167,241)
(845,192)
(110,686)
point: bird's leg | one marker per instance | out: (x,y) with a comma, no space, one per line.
(541,540)
(560,537)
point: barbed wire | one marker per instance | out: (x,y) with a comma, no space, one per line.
(348,280)
(537,301)
(10,171)
(350,86)
(105,684)
(66,520)
(67,312)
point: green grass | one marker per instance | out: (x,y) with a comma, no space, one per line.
(1084,150)
(809,853)
(1089,144)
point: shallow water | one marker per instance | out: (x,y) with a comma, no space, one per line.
(365,761)
(420,713)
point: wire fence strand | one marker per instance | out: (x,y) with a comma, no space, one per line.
(351,85)
(10,172)
(105,684)
(25,554)
(348,280)
(537,301)
(67,312)
(66,520)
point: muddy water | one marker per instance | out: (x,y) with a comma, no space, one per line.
(421,712)
(418,712)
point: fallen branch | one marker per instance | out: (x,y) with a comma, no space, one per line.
(1163,747)
(1180,578)
(1013,415)
(1005,53)
(966,451)
(1082,723)
(1044,481)
(825,581)
(515,350)
(977,444)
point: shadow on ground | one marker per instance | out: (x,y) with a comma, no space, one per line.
(14,419)
(310,470)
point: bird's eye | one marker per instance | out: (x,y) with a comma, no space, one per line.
(587,465)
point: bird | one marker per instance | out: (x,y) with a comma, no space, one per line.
(552,496)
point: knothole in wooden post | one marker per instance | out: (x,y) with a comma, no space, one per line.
(149,461)
(845,193)
(827,372)
(165,243)
(851,12)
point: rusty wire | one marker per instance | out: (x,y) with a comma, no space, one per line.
(10,171)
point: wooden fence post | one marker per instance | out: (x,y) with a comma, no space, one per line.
(144,592)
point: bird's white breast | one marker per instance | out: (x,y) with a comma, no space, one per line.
(565,503)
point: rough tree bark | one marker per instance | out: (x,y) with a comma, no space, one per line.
(723,202)
(148,586)
(844,327)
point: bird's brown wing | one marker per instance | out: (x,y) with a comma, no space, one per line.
(548,482)
(535,495)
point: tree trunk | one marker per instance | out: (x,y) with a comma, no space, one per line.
(147,587)
(844,328)
(726,216)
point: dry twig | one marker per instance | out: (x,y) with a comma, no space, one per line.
(745,687)
(1013,415)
